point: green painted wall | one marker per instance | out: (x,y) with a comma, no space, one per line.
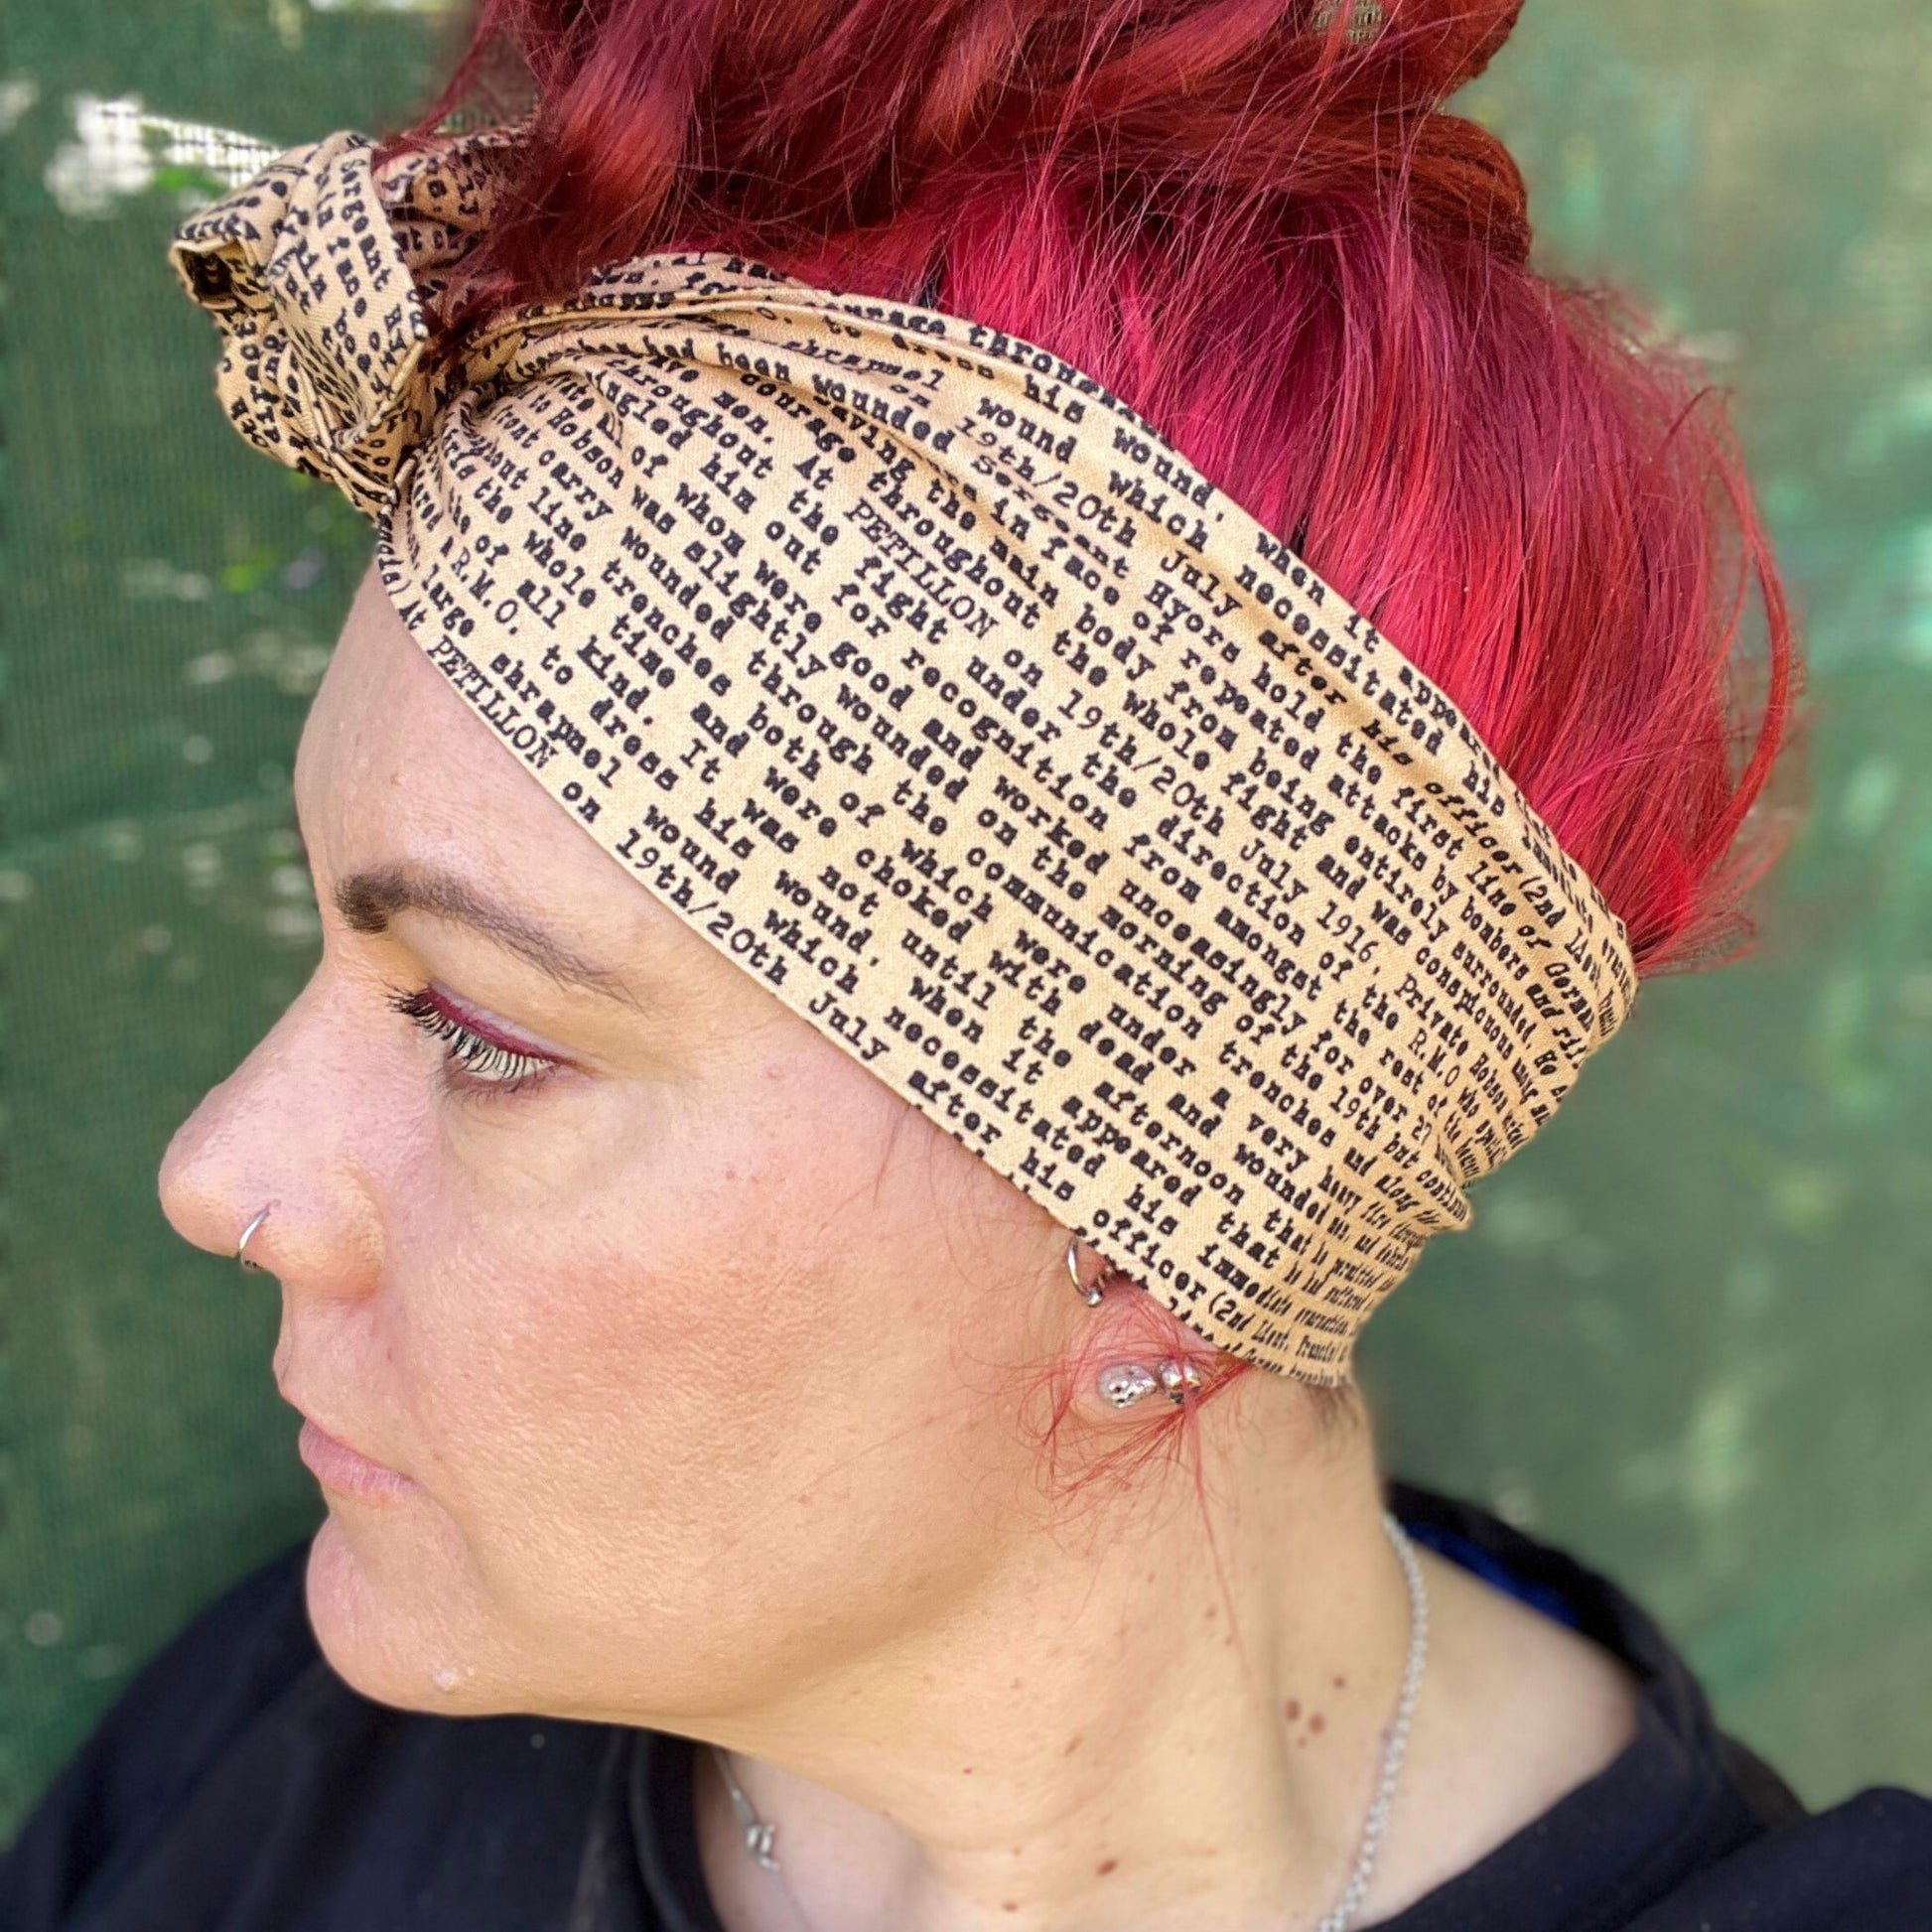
(1689,1333)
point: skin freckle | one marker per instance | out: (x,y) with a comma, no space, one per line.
(1316,1721)
(1291,1709)
(1104,1867)
(1073,1744)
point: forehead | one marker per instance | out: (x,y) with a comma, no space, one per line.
(395,771)
(386,723)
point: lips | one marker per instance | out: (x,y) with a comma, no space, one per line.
(347,1471)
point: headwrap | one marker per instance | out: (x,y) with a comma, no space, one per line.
(935,687)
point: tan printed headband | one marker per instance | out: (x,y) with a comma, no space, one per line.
(919,674)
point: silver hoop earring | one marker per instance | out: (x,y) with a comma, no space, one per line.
(1088,1292)
(1094,1292)
(247,1235)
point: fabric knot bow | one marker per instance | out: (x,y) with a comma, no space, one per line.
(319,274)
(859,633)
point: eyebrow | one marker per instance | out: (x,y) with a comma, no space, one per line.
(368,900)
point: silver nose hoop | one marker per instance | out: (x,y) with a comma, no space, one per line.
(248,1234)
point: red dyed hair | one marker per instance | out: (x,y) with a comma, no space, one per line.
(1251,220)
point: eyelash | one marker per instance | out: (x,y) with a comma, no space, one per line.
(472,1061)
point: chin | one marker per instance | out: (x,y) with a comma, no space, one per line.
(387,1628)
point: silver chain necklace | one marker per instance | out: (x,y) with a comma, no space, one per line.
(1395,1740)
(759,1834)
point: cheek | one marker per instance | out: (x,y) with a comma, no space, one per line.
(648,1359)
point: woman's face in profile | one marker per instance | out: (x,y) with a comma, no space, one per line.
(689,1334)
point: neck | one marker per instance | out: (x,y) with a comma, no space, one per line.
(1172,1722)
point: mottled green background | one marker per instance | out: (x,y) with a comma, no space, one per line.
(1689,1333)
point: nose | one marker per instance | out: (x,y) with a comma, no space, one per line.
(283,1133)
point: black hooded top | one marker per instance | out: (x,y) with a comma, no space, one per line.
(239,1785)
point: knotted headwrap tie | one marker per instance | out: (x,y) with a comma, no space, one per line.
(926,679)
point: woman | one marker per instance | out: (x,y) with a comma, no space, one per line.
(1029,559)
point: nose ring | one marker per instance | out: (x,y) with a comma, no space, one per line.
(247,1235)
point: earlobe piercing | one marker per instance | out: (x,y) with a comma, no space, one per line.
(1178,1378)
(1126,1383)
